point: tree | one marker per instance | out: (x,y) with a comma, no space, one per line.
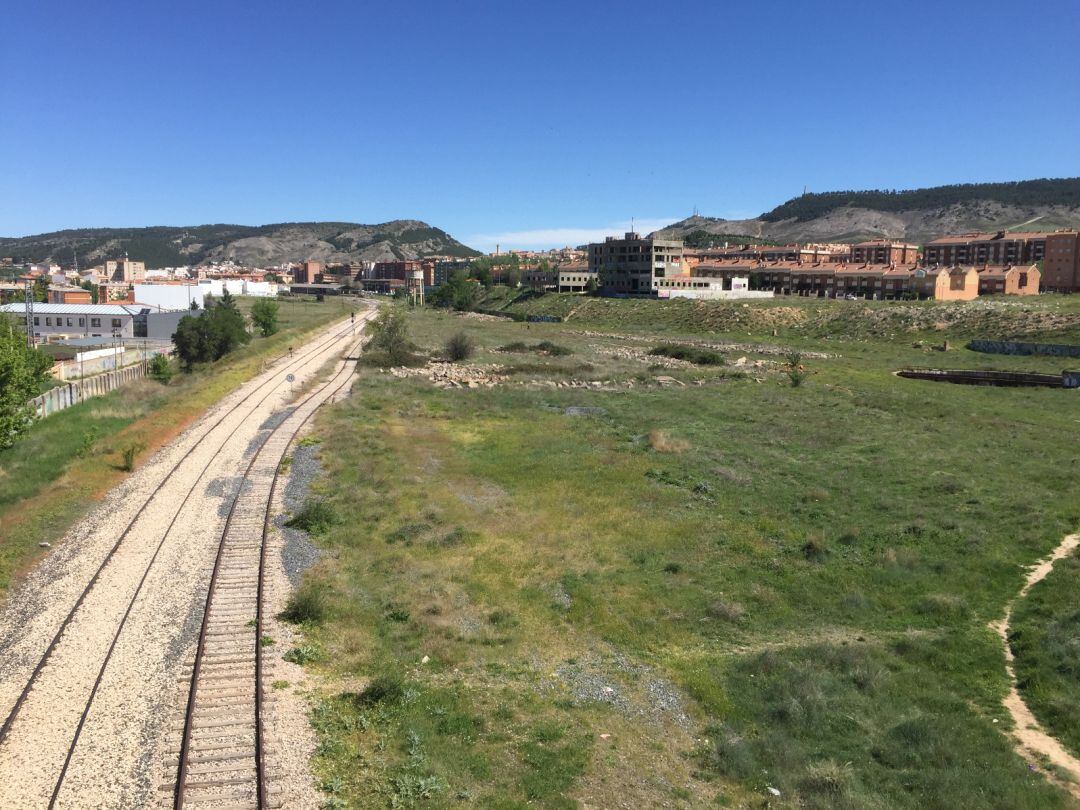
(92,288)
(457,292)
(264,314)
(40,292)
(390,334)
(22,371)
(591,286)
(210,336)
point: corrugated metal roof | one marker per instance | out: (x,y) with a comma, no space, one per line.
(72,309)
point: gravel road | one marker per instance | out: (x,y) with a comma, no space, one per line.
(152,575)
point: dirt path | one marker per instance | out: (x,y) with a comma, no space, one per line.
(154,582)
(1032,740)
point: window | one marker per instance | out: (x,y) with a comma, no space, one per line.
(37,321)
(95,322)
(115,323)
(82,321)
(48,321)
(69,322)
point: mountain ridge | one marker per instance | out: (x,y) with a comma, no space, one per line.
(271,244)
(915,215)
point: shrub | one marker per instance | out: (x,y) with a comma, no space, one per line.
(726,611)
(315,517)
(305,605)
(160,369)
(815,549)
(672,568)
(387,688)
(459,347)
(128,454)
(795,371)
(553,349)
(390,334)
(303,655)
(690,354)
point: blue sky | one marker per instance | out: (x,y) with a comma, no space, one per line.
(527,124)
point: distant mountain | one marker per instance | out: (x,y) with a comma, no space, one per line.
(165,246)
(918,215)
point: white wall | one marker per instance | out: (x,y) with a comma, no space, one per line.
(169,296)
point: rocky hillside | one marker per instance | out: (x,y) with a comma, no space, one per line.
(915,216)
(253,245)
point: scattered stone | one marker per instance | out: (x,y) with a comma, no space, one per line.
(43,544)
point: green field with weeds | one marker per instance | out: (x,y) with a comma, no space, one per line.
(1045,638)
(55,472)
(607,577)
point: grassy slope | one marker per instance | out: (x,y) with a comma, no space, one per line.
(799,598)
(1044,638)
(52,475)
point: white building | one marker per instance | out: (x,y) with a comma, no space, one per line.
(705,288)
(170,296)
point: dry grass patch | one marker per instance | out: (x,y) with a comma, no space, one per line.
(662,442)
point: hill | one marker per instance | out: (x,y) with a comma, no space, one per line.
(164,246)
(917,215)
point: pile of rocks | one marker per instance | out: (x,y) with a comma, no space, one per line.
(455,375)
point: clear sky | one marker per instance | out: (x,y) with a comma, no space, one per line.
(524,123)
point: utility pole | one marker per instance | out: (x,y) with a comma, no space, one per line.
(28,297)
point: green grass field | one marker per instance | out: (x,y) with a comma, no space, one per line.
(1045,639)
(682,595)
(67,461)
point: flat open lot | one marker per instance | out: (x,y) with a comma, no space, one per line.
(585,584)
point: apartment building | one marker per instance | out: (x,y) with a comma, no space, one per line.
(403,269)
(842,280)
(125,270)
(999,248)
(628,266)
(309,272)
(1061,262)
(883,251)
(778,253)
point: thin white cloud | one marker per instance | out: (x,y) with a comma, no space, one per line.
(544,238)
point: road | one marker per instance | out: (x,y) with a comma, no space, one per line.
(98,646)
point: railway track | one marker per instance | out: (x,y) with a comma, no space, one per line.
(221,760)
(223,428)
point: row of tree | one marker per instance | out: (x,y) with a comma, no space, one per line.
(220,329)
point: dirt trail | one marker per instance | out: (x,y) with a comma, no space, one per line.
(1032,740)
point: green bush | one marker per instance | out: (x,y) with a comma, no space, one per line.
(315,517)
(305,605)
(459,347)
(690,354)
(160,369)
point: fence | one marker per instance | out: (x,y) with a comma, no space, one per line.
(1014,347)
(72,393)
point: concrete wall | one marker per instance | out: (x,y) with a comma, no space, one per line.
(162,325)
(72,393)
